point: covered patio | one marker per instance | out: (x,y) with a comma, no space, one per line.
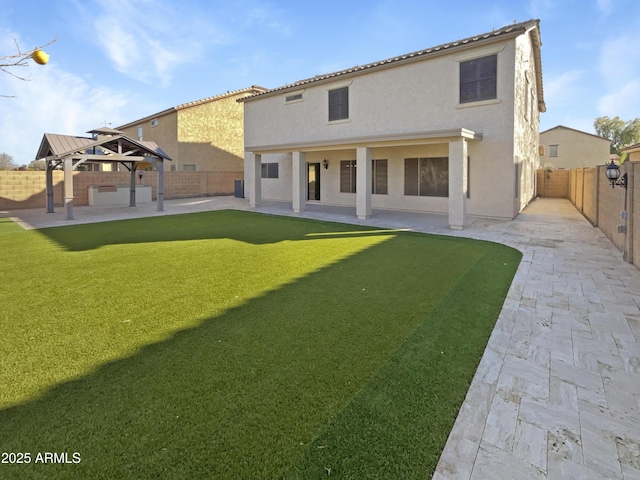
(106,145)
(454,140)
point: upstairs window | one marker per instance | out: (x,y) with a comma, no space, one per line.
(478,79)
(139,133)
(553,150)
(339,104)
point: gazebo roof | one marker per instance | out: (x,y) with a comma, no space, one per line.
(106,145)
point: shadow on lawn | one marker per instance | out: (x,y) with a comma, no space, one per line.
(244,394)
(233,224)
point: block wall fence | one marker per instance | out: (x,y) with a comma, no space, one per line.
(28,189)
(591,193)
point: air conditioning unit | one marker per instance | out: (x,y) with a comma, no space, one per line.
(541,150)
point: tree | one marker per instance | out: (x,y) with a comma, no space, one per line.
(6,162)
(621,133)
(20,59)
(37,165)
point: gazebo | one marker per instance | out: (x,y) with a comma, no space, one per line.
(104,145)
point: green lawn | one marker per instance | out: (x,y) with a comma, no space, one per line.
(237,345)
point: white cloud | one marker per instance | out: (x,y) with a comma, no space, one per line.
(619,67)
(53,101)
(562,86)
(623,101)
(147,40)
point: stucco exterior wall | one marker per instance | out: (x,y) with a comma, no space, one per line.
(420,96)
(210,136)
(278,189)
(205,135)
(575,149)
(164,134)
(633,154)
(526,122)
(414,97)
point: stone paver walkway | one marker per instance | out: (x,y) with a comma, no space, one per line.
(557,392)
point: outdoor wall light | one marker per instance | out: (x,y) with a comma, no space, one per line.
(613,174)
(325,163)
(140,175)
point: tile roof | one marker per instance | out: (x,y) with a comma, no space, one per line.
(251,90)
(516,28)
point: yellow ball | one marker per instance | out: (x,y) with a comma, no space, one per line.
(40,57)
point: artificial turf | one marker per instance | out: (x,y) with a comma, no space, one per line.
(238,345)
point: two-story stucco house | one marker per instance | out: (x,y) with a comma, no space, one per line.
(204,135)
(451,129)
(564,147)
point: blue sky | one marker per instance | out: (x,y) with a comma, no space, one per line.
(118,60)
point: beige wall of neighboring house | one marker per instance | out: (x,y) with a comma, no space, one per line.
(564,147)
(205,135)
(633,152)
(404,108)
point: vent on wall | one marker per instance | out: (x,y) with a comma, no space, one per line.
(541,150)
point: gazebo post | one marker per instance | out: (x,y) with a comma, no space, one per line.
(132,185)
(68,189)
(160,194)
(49,179)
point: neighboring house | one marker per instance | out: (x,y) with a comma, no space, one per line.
(633,152)
(566,148)
(451,129)
(205,135)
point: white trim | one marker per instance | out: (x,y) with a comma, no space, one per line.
(480,103)
(337,122)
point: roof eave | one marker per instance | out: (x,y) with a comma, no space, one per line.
(457,46)
(537,58)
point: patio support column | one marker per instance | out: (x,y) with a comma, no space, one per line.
(68,189)
(457,183)
(132,185)
(255,187)
(49,179)
(363,182)
(160,194)
(299,179)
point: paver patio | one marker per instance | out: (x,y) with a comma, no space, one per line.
(557,392)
